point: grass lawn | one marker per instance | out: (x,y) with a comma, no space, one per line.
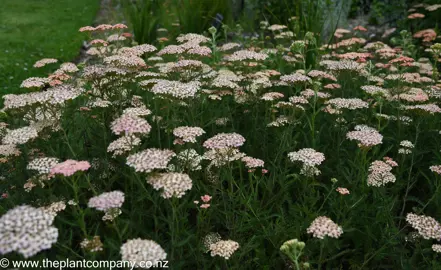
(35,29)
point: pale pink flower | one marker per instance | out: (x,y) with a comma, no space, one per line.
(343,191)
(206,198)
(436,169)
(69,167)
(205,205)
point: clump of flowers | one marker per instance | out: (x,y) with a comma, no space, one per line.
(309,158)
(54,208)
(172,184)
(69,167)
(43,165)
(210,239)
(140,250)
(20,135)
(343,191)
(379,174)
(130,124)
(366,136)
(27,230)
(436,248)
(323,226)
(150,159)
(436,169)
(406,147)
(224,140)
(107,200)
(252,163)
(426,226)
(92,245)
(123,145)
(188,134)
(224,248)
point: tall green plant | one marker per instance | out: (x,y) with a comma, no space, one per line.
(196,16)
(144,17)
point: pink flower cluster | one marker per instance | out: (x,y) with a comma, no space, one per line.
(69,167)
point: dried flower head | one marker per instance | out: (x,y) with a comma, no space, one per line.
(224,248)
(92,245)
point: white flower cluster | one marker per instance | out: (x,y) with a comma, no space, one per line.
(123,144)
(150,159)
(379,174)
(43,165)
(323,226)
(107,200)
(224,248)
(20,135)
(426,226)
(224,140)
(140,250)
(188,134)
(173,184)
(176,89)
(26,230)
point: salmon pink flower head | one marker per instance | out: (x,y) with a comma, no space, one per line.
(69,167)
(416,16)
(87,29)
(119,26)
(205,205)
(360,28)
(206,198)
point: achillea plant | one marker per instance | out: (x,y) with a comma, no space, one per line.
(171,142)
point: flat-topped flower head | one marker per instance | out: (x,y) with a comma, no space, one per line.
(224,140)
(130,124)
(69,167)
(426,226)
(172,184)
(27,230)
(140,251)
(323,226)
(244,55)
(150,159)
(307,156)
(20,135)
(45,61)
(366,136)
(436,169)
(379,174)
(252,163)
(107,200)
(188,134)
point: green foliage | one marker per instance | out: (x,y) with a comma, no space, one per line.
(31,30)
(197,16)
(144,17)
